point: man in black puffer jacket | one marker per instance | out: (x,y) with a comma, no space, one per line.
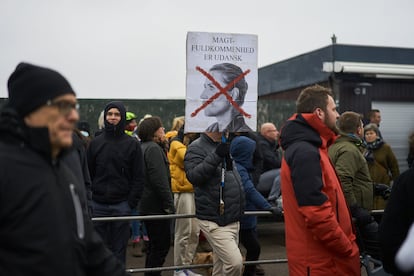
(45,229)
(116,167)
(220,224)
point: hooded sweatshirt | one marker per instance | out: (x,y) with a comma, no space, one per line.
(115,163)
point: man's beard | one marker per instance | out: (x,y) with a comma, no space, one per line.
(333,127)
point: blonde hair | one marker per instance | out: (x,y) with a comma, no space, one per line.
(101,121)
(177,123)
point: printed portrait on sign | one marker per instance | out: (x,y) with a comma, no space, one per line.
(226,89)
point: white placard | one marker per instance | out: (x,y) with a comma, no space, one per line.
(221,88)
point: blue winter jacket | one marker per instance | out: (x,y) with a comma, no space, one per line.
(241,150)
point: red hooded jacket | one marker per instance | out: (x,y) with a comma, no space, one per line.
(320,239)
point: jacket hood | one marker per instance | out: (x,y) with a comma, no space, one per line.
(242,149)
(14,130)
(116,130)
(306,127)
(11,124)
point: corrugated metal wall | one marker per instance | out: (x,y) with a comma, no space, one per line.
(358,95)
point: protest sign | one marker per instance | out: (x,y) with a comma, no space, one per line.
(221,87)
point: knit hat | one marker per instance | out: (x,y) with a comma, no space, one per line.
(32,86)
(148,127)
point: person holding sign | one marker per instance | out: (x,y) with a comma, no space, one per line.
(219,201)
(226,108)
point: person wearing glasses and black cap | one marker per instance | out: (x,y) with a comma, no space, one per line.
(44,225)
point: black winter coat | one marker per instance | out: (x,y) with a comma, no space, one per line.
(44,226)
(203,169)
(157,197)
(397,219)
(271,156)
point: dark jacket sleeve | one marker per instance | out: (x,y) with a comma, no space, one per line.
(137,179)
(397,219)
(306,173)
(392,163)
(200,168)
(158,175)
(271,156)
(91,160)
(251,194)
(86,175)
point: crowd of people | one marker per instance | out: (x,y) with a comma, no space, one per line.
(330,169)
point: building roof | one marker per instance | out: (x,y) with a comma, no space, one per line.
(306,69)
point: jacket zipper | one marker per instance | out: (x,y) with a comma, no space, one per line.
(78,211)
(337,206)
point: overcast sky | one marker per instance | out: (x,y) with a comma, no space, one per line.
(136,49)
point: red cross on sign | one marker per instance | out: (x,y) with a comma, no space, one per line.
(221,91)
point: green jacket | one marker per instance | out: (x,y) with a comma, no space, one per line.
(385,167)
(352,170)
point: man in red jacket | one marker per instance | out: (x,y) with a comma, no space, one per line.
(319,233)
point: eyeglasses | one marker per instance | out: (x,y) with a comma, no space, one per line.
(64,107)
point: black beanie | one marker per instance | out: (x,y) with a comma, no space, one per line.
(31,86)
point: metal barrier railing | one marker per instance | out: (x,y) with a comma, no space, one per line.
(172,216)
(179,216)
(193,266)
